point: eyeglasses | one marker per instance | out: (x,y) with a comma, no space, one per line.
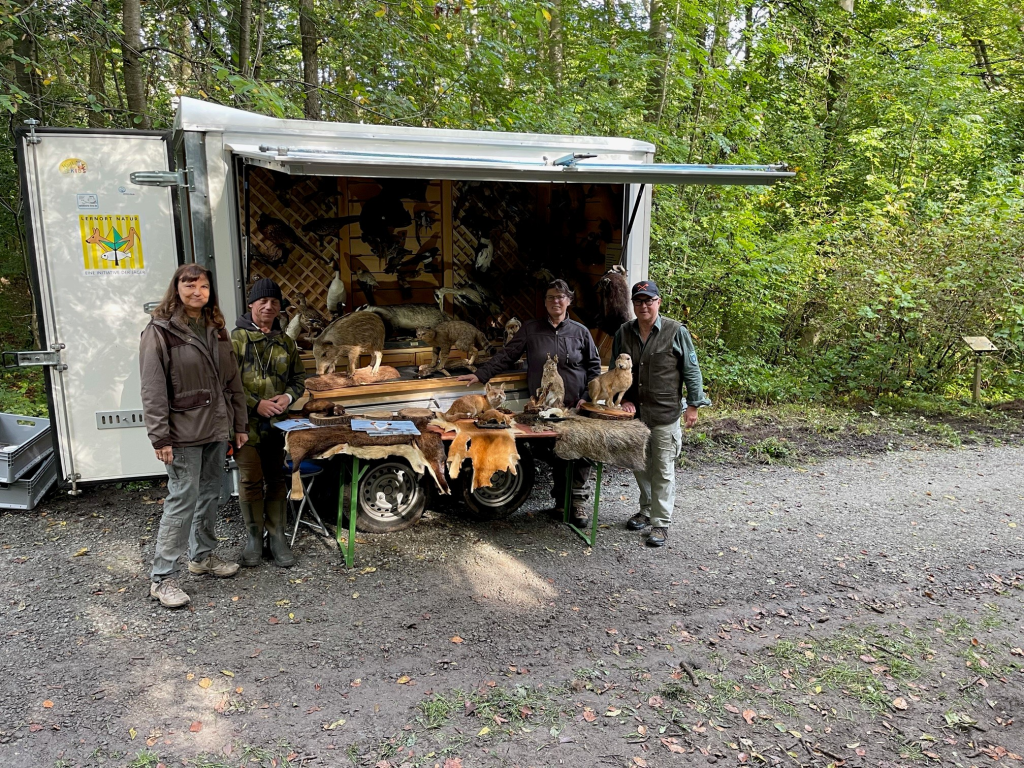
(557,297)
(644,302)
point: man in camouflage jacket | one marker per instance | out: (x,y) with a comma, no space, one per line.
(273,377)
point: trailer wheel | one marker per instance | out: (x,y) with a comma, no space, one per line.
(390,497)
(506,494)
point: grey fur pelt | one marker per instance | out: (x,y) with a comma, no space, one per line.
(621,443)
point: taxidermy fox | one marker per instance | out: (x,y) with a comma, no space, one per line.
(471,406)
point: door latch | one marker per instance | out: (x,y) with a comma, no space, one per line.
(179,178)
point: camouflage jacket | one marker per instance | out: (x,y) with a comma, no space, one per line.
(270,366)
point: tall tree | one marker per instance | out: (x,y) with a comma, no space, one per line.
(134,80)
(310,58)
(244,35)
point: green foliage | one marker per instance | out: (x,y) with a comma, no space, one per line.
(901,232)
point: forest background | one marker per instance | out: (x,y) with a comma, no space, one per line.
(901,232)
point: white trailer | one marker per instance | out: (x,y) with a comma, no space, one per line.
(111,214)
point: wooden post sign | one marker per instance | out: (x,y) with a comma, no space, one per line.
(979,345)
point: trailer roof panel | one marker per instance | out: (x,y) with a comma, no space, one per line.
(575,167)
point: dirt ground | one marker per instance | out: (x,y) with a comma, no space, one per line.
(852,604)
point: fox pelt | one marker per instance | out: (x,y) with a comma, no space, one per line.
(489,451)
(622,443)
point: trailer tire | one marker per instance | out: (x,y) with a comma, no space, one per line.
(508,493)
(379,509)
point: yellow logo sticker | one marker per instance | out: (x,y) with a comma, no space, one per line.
(73,165)
(111,244)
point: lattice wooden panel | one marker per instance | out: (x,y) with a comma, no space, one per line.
(310,266)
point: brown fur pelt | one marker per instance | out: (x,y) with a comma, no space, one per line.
(321,407)
(489,451)
(327,441)
(361,376)
(621,443)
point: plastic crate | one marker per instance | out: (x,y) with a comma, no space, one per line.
(24,442)
(26,493)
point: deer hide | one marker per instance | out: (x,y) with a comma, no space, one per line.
(621,443)
(488,451)
(328,441)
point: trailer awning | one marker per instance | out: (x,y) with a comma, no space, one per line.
(572,168)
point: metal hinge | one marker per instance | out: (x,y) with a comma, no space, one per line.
(568,162)
(179,178)
(28,359)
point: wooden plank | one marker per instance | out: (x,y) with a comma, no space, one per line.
(416,386)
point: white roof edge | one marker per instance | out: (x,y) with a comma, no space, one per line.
(198,115)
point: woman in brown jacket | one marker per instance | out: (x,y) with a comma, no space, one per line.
(193,403)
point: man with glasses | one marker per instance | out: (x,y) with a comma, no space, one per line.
(578,363)
(664,362)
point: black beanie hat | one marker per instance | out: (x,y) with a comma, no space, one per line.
(264,288)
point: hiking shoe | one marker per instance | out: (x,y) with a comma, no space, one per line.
(657,537)
(222,569)
(168,593)
(578,515)
(638,522)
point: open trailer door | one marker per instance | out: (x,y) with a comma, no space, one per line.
(102,249)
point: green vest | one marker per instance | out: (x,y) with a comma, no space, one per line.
(657,379)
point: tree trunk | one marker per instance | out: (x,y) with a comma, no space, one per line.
(556,53)
(657,35)
(310,59)
(257,65)
(748,32)
(26,76)
(97,89)
(244,35)
(134,83)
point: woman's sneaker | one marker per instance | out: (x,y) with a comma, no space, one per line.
(222,569)
(168,593)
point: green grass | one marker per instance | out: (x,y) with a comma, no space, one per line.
(145,759)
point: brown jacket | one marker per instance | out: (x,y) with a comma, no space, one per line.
(189,397)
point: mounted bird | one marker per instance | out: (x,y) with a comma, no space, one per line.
(312,322)
(328,227)
(367,284)
(278,232)
(336,294)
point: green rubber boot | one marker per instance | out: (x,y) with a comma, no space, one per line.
(276,516)
(252,514)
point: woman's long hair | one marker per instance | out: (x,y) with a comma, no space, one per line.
(171,304)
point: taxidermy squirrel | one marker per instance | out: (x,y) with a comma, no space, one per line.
(612,385)
(453,334)
(552,389)
(471,406)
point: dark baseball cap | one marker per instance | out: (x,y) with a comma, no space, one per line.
(646,288)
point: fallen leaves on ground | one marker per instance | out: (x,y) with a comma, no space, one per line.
(456,639)
(205,683)
(673,746)
(47,704)
(589,715)
(196,727)
(453,762)
(749,715)
(899,703)
(335,724)
(404,680)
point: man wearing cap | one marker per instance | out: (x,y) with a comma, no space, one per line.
(664,362)
(273,377)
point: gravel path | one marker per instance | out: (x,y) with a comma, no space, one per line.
(520,614)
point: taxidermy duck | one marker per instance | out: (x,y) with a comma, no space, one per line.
(336,295)
(312,322)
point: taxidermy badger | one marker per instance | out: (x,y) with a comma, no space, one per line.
(613,300)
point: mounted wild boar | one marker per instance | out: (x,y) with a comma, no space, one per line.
(361,333)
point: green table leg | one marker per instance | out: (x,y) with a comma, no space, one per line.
(353,489)
(592,539)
